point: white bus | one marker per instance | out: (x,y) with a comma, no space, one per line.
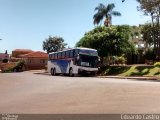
(73,62)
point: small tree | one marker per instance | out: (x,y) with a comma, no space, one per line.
(53,44)
(152,8)
(6,52)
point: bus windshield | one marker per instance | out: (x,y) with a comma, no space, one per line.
(88,61)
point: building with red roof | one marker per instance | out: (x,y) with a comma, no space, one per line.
(17,52)
(36,54)
(33,59)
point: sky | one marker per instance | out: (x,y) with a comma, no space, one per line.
(25,24)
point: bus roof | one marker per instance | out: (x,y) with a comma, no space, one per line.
(80,48)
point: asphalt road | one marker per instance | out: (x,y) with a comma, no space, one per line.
(28,92)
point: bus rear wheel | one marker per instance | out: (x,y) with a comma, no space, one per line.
(53,72)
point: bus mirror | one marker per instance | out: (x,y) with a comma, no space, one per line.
(78,57)
(99,59)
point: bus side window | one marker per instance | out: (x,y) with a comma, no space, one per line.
(71,53)
(50,57)
(63,54)
(55,55)
(67,54)
(76,52)
(59,55)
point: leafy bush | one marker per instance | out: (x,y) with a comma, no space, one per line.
(19,66)
(5,60)
(120,60)
(150,54)
(9,70)
(157,64)
(10,67)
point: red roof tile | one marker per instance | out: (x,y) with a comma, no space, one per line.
(28,50)
(36,54)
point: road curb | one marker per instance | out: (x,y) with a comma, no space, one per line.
(137,78)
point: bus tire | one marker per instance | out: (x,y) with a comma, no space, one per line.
(53,72)
(71,72)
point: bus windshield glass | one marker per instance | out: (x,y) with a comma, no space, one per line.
(88,52)
(88,61)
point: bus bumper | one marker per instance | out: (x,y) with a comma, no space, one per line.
(87,72)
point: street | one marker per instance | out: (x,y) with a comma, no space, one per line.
(31,92)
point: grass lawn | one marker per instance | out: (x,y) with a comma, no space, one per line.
(135,70)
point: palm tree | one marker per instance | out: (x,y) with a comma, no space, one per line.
(136,0)
(105,11)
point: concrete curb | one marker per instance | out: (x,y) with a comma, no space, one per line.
(137,78)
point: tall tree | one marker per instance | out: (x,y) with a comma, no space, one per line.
(105,12)
(109,41)
(53,44)
(152,8)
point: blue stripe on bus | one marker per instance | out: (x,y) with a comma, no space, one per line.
(62,64)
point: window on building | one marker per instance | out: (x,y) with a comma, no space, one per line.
(43,61)
(29,61)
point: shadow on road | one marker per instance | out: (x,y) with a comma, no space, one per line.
(146,80)
(61,75)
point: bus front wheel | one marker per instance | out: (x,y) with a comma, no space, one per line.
(53,72)
(71,72)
